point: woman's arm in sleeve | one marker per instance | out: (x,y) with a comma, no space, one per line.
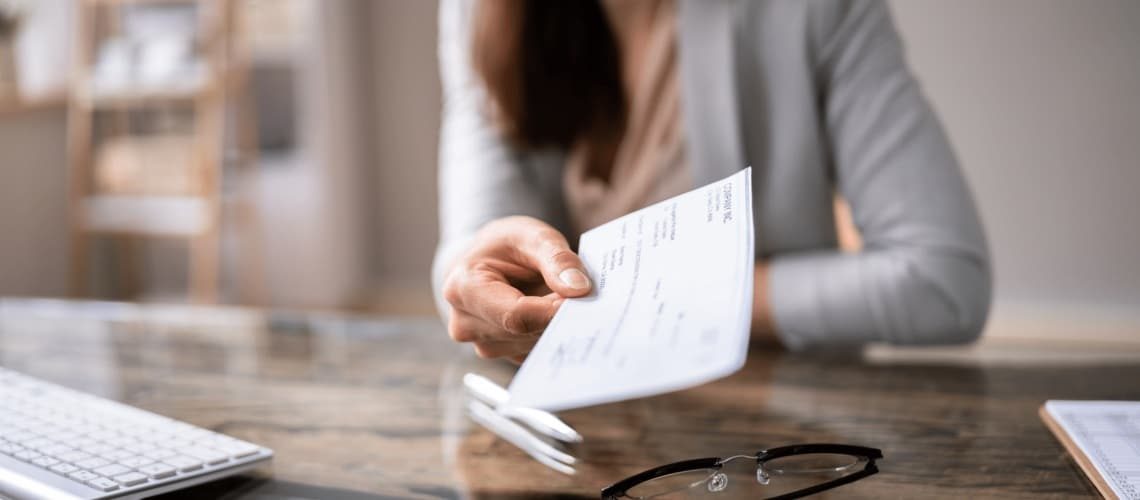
(923,274)
(480,177)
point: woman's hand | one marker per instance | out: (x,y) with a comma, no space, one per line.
(505,289)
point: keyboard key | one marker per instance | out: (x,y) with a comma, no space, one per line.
(74,456)
(64,468)
(65,436)
(240,449)
(194,434)
(103,436)
(83,476)
(48,430)
(133,431)
(103,484)
(151,437)
(57,450)
(10,448)
(38,443)
(21,437)
(37,429)
(92,463)
(177,443)
(131,478)
(83,428)
(139,447)
(183,463)
(135,462)
(27,455)
(157,470)
(45,461)
(111,470)
(214,440)
(82,442)
(98,449)
(117,455)
(211,457)
(159,454)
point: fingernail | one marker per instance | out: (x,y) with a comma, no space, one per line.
(574,278)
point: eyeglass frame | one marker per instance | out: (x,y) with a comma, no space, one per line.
(621,488)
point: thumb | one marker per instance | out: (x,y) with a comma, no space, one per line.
(561,268)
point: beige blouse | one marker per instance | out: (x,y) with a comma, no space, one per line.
(649,165)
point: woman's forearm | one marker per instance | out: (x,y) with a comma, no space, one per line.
(763,327)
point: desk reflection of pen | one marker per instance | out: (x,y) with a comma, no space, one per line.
(487,410)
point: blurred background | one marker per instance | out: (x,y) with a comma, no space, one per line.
(283,152)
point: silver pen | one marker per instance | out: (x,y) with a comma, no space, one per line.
(541,421)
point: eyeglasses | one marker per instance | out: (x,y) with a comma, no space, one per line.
(795,471)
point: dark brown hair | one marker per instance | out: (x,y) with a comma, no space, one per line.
(552,70)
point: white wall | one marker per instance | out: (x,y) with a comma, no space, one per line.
(313,213)
(33,203)
(405,134)
(33,156)
(1041,99)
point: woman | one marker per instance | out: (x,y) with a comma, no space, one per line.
(559,116)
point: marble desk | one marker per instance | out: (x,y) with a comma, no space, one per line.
(370,407)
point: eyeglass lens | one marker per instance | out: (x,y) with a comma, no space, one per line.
(810,463)
(678,484)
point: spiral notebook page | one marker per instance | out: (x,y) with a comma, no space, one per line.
(1104,438)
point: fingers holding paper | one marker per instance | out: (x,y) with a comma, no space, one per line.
(521,319)
(487,338)
(507,287)
(513,350)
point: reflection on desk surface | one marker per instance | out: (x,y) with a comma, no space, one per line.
(366,407)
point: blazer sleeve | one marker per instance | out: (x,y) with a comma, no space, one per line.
(481,178)
(923,275)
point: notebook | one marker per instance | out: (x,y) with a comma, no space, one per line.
(1104,439)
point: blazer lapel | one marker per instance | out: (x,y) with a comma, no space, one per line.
(709,97)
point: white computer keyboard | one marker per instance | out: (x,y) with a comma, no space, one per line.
(59,443)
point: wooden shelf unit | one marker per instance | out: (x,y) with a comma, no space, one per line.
(196,216)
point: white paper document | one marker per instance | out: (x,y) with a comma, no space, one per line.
(671,305)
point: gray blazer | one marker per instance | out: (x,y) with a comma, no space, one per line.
(817,97)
